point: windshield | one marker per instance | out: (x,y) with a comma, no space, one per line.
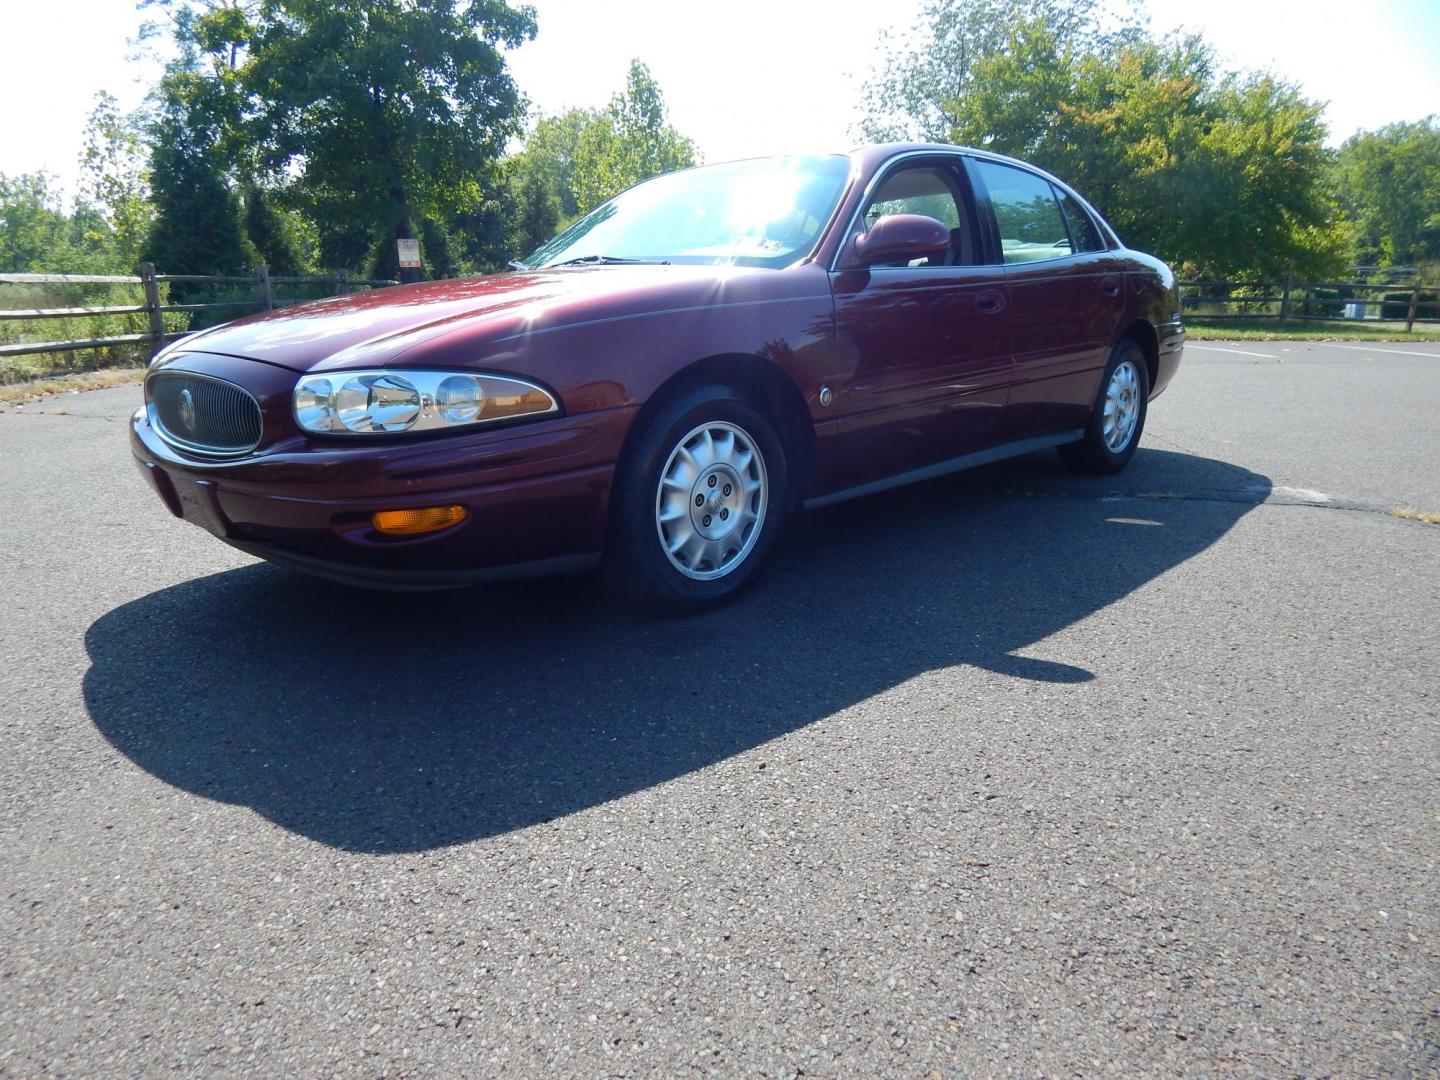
(764,212)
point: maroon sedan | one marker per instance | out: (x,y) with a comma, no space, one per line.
(658,386)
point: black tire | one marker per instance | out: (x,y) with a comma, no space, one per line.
(636,562)
(1092,454)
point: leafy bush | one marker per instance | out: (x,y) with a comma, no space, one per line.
(1396,305)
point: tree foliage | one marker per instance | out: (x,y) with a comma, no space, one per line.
(1222,173)
(537,212)
(36,235)
(405,106)
(576,160)
(115,186)
(278,233)
(549,156)
(628,141)
(314,133)
(198,227)
(1389,182)
(932,66)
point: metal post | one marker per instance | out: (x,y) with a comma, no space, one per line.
(152,306)
(342,282)
(1414,303)
(262,279)
(1285,297)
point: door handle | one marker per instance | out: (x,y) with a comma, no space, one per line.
(1110,285)
(990,301)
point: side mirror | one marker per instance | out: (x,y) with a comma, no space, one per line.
(897,238)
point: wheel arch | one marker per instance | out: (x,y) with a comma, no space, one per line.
(1143,334)
(763,385)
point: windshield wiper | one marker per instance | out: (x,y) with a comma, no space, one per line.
(610,260)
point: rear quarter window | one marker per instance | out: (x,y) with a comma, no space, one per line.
(1084,236)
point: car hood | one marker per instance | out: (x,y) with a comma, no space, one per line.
(389,325)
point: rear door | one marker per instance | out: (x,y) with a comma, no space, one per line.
(1066,296)
(924,345)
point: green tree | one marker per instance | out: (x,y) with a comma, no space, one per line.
(199,148)
(628,141)
(486,229)
(115,186)
(931,67)
(35,233)
(535,213)
(1222,174)
(1389,181)
(212,40)
(197,228)
(277,233)
(549,157)
(403,105)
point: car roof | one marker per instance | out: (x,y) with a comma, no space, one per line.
(875,154)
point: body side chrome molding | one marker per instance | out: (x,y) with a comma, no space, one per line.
(941,468)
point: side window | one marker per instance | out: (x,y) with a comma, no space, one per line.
(932,190)
(1031,228)
(1083,234)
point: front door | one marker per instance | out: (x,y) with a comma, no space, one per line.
(923,346)
(1066,297)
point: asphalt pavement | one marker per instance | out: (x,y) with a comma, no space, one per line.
(1011,773)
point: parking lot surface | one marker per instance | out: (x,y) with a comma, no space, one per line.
(1012,773)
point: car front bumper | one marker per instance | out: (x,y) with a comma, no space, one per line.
(537,496)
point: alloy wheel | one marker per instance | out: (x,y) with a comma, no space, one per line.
(711,502)
(1122,407)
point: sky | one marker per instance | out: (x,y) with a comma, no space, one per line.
(741,78)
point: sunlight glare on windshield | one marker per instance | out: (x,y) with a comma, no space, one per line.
(763,212)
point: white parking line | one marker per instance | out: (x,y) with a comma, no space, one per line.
(1235,352)
(1397,352)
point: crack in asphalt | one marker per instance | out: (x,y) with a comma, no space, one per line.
(76,416)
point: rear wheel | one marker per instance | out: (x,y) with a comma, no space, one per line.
(1118,417)
(698,502)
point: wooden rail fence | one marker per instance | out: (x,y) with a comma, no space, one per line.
(153,308)
(1355,302)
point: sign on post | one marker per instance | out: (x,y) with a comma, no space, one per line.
(409,253)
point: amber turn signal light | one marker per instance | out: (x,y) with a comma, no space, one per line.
(412,522)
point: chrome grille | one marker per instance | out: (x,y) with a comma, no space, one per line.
(203,414)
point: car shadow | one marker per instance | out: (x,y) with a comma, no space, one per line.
(384,722)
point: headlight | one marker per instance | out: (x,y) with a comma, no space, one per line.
(390,402)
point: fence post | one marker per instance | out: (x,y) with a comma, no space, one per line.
(1414,303)
(152,305)
(262,279)
(1285,297)
(342,282)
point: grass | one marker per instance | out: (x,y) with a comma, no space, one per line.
(1289,330)
(1410,514)
(20,392)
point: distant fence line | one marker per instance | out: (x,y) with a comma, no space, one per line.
(1220,301)
(153,309)
(1311,301)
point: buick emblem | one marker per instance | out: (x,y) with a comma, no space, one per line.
(187,410)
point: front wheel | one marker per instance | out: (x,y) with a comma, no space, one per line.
(1118,417)
(699,500)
